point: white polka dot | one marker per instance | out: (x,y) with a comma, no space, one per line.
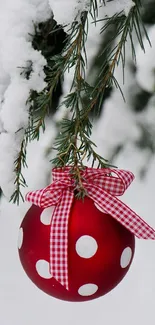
(46,216)
(43,270)
(99,208)
(20,238)
(126,257)
(86,246)
(87,289)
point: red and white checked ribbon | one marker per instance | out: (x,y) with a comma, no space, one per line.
(102,187)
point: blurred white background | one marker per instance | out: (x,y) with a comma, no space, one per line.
(132,301)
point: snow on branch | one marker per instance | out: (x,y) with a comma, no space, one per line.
(71,9)
(23,72)
(17,19)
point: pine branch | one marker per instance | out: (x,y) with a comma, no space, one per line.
(113,55)
(19,180)
(75,131)
(73,142)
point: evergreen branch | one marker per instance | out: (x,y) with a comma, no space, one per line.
(124,27)
(94,9)
(37,114)
(74,131)
(20,162)
(79,129)
(62,62)
(73,142)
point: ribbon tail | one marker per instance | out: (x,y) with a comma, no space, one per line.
(59,239)
(122,213)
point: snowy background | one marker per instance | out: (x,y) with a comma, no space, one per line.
(123,133)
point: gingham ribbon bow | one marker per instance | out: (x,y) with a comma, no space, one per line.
(102,187)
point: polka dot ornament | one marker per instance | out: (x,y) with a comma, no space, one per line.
(100,251)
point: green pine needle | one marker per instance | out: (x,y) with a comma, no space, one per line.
(73,144)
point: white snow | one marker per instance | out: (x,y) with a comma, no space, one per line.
(70,12)
(17,21)
(132,302)
(73,8)
(115,7)
(146,63)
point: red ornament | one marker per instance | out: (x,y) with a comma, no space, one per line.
(82,249)
(100,251)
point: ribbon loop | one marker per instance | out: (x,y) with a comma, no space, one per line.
(102,187)
(121,212)
(103,178)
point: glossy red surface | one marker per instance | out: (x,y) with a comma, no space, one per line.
(102,269)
